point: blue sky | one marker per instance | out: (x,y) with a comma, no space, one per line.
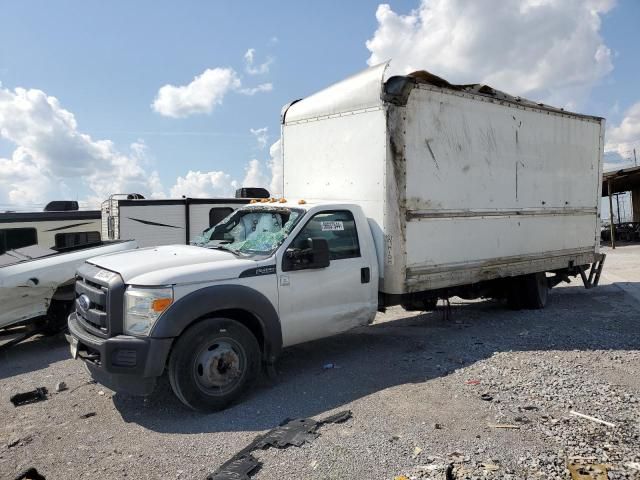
(106,61)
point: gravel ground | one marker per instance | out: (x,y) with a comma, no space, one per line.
(486,393)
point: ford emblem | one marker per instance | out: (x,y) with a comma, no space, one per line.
(84,302)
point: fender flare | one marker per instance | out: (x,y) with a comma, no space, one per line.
(180,315)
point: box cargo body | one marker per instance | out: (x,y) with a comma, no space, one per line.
(460,184)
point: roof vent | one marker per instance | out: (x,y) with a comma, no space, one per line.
(252,192)
(61,206)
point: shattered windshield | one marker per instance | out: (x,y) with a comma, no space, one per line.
(255,231)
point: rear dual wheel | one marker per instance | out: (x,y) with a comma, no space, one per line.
(529,292)
(212,364)
(420,304)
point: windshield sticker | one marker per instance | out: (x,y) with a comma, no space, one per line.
(332,226)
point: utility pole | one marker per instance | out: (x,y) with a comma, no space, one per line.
(635,158)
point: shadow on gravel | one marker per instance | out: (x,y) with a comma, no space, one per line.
(413,349)
(34,354)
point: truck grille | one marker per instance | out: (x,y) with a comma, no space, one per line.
(92,312)
(99,298)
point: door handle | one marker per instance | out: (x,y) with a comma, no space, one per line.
(365,275)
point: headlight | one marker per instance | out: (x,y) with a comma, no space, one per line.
(143,306)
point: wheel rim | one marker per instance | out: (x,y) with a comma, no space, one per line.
(219,366)
(543,289)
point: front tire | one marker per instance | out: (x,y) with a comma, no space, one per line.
(56,319)
(212,364)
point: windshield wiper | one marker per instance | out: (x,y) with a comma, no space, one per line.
(227,249)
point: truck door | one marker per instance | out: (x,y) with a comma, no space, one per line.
(319,302)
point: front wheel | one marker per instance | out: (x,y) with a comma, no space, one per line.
(212,363)
(56,319)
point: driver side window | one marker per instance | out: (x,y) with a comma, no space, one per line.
(338,228)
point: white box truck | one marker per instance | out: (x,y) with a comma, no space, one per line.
(401,191)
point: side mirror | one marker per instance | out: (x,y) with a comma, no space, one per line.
(314,255)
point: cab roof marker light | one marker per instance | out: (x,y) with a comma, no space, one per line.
(301,202)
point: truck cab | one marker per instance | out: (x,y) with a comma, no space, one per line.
(270,275)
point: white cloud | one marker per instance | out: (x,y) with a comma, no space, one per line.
(276,169)
(220,184)
(251,68)
(263,87)
(200,96)
(204,184)
(262,136)
(203,94)
(51,152)
(625,136)
(549,50)
(254,176)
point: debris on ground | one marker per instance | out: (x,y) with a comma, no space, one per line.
(25,398)
(487,397)
(593,419)
(290,432)
(30,474)
(581,470)
(88,382)
(88,415)
(61,387)
(21,442)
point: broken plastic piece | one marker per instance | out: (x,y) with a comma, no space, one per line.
(30,474)
(593,419)
(291,432)
(37,395)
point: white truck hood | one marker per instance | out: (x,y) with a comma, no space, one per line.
(173,265)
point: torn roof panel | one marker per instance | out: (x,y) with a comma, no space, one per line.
(368,89)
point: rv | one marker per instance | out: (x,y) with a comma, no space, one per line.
(61,225)
(153,222)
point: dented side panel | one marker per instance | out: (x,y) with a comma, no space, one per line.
(487,181)
(26,288)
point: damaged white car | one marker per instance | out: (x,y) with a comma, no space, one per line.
(37,284)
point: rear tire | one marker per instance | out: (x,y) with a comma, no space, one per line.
(529,291)
(420,304)
(212,363)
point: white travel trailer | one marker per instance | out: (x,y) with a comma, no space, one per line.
(61,225)
(153,222)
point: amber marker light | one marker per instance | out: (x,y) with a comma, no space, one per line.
(160,304)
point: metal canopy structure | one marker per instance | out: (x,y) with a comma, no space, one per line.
(619,181)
